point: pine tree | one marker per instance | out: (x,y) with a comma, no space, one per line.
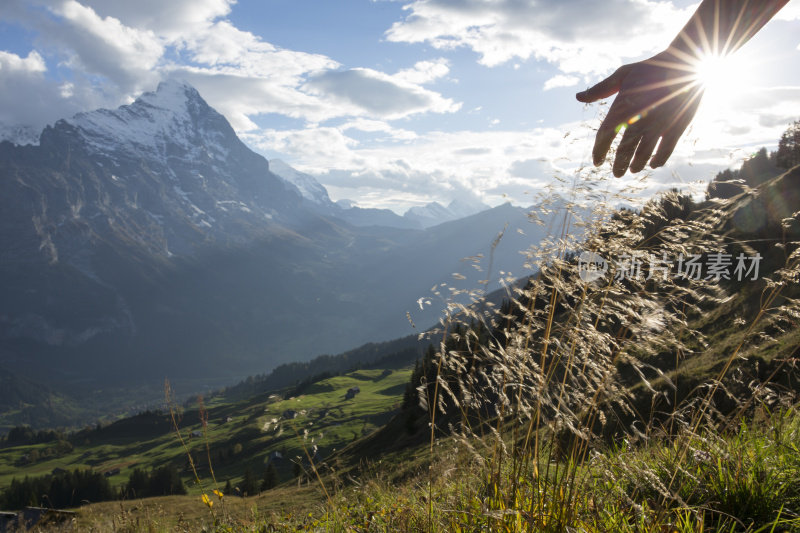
(165,481)
(270,477)
(138,482)
(789,147)
(249,484)
(410,394)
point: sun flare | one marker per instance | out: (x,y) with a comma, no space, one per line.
(721,76)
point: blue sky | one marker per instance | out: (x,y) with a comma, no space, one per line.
(394,103)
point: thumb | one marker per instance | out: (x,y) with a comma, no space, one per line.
(605,88)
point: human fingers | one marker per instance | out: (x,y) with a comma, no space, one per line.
(625,150)
(670,140)
(643,152)
(671,137)
(605,88)
(602,142)
(665,149)
(616,117)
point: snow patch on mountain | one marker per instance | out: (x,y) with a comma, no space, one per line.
(19,134)
(309,187)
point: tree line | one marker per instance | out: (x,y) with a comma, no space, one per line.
(72,488)
(760,167)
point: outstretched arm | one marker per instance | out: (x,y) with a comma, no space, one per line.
(658,97)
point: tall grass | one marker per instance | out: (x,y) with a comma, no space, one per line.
(571,375)
(566,405)
(621,403)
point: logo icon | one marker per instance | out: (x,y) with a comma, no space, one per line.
(591,266)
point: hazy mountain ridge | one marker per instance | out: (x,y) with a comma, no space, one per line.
(419,217)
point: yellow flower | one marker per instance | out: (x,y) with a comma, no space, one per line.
(207,500)
(218,493)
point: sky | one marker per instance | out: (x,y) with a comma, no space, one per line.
(396,103)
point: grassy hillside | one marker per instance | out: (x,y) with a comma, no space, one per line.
(239,435)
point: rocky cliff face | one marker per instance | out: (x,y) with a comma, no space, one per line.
(111,203)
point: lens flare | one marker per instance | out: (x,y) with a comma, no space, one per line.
(720,76)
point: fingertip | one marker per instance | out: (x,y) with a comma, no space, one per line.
(638,164)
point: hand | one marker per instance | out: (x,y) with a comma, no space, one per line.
(657,99)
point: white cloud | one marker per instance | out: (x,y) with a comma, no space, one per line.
(105,46)
(579,36)
(27,97)
(375,126)
(433,166)
(364,91)
(173,19)
(325,146)
(754,118)
(561,80)
(230,50)
(11,63)
(424,72)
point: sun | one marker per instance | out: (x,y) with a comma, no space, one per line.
(722,77)
(728,81)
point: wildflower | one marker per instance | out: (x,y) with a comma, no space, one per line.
(218,493)
(206,500)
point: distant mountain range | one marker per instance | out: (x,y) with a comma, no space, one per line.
(425,216)
(149,241)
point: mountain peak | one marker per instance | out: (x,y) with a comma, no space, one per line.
(464,207)
(172,119)
(171,94)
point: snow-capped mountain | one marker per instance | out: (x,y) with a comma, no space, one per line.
(172,165)
(434,213)
(173,121)
(428,215)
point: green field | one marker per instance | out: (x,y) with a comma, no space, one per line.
(237,435)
